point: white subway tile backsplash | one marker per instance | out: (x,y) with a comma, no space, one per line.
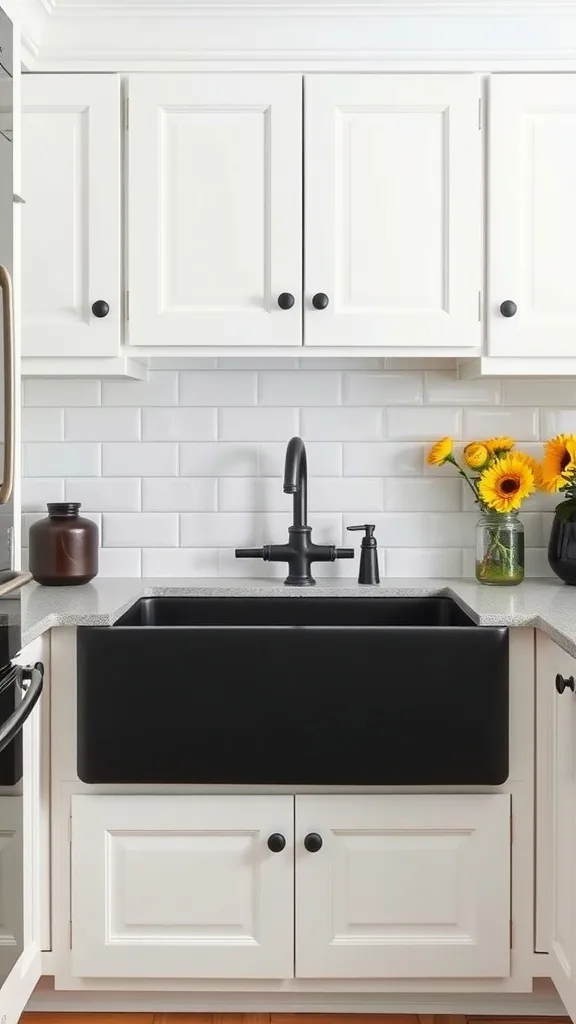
(324,458)
(139,530)
(161,388)
(442,388)
(299,387)
(349,424)
(60,393)
(179,423)
(521,424)
(183,494)
(102,424)
(195,457)
(218,387)
(424,563)
(36,493)
(218,459)
(119,562)
(42,424)
(423,424)
(257,424)
(180,562)
(104,494)
(61,459)
(404,494)
(147,459)
(557,421)
(381,388)
(383,459)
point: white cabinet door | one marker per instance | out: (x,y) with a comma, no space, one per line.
(532,215)
(403,887)
(215,219)
(182,887)
(561,890)
(393,210)
(71,220)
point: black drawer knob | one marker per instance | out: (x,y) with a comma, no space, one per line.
(313,842)
(508,308)
(285,300)
(564,684)
(320,300)
(276,842)
(100,308)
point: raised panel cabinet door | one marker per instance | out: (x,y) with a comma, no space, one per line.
(71,220)
(392,210)
(557,672)
(403,886)
(215,209)
(182,887)
(532,215)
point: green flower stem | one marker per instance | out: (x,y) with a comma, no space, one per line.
(465,477)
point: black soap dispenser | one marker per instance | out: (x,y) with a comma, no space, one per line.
(369,572)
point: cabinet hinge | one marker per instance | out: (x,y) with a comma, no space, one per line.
(479,307)
(126,113)
(480,109)
(127,304)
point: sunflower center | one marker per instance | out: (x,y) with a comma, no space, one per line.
(565,460)
(509,485)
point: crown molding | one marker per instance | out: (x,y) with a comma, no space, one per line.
(123,35)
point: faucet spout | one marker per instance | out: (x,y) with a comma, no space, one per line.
(296,479)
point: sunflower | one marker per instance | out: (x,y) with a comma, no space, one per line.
(476,455)
(559,464)
(495,445)
(504,485)
(441,452)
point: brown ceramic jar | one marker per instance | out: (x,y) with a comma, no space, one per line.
(63,547)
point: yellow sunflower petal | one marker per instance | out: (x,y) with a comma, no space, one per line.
(504,484)
(499,444)
(559,463)
(476,455)
(441,451)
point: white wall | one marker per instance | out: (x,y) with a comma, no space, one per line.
(180,470)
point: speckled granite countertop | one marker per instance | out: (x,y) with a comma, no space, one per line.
(544,604)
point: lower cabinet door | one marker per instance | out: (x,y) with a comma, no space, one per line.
(556,674)
(403,886)
(182,887)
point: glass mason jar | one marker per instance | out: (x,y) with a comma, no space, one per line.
(500,549)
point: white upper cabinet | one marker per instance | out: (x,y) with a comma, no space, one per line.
(532,216)
(393,210)
(561,891)
(215,219)
(71,220)
(182,887)
(403,886)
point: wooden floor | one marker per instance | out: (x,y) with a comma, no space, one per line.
(273,1018)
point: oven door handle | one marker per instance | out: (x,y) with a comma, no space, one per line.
(35,681)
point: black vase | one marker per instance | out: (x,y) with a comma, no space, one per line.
(562,546)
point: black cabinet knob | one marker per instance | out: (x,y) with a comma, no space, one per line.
(313,842)
(276,842)
(564,684)
(320,300)
(100,308)
(508,308)
(285,300)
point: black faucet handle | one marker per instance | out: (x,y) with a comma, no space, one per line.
(249,553)
(345,552)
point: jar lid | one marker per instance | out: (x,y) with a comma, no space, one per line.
(63,508)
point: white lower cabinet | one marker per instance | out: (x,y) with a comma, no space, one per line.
(182,887)
(403,887)
(383,886)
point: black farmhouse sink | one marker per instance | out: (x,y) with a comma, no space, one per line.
(297,691)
